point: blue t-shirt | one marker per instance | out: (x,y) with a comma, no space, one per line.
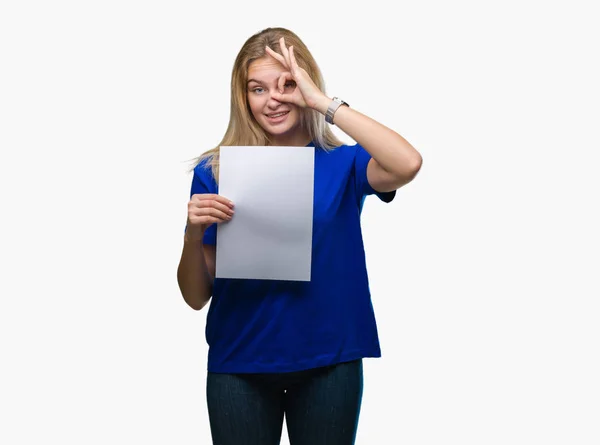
(268,326)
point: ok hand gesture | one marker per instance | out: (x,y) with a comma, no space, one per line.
(307,94)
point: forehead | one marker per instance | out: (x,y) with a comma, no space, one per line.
(265,69)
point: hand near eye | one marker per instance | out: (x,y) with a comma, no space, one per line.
(307,94)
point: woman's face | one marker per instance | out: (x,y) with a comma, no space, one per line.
(263,75)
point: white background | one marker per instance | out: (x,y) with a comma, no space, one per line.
(484,270)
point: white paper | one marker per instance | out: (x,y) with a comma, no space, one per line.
(270,234)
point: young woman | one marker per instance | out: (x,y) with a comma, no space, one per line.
(283,347)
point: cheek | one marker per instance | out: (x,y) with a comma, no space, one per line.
(255,107)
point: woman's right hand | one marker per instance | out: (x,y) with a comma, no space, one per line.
(205,209)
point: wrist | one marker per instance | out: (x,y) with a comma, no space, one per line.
(193,235)
(322,104)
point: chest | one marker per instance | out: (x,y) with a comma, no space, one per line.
(333,186)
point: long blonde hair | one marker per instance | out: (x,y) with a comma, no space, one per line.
(243,129)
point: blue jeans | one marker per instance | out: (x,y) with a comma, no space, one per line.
(321,406)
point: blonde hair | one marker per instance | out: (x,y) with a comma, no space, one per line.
(243,129)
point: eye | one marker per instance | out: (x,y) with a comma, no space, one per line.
(288,84)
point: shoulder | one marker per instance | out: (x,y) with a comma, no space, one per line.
(349,150)
(203,180)
(203,170)
(203,167)
(341,151)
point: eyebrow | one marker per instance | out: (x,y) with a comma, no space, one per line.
(254,80)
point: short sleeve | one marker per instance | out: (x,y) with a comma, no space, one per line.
(203,182)
(363,188)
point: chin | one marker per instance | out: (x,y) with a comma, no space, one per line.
(280,129)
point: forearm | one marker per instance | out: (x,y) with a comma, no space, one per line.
(391,151)
(195,281)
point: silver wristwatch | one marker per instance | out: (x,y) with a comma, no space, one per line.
(336,102)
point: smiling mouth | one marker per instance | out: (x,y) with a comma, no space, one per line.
(272,116)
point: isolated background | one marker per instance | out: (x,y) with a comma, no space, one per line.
(484,270)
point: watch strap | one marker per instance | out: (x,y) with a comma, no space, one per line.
(336,102)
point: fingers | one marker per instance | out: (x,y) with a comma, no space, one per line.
(212,197)
(284,57)
(206,216)
(277,56)
(282,81)
(284,51)
(210,206)
(203,219)
(292,58)
(206,209)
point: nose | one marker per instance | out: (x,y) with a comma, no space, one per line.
(273,103)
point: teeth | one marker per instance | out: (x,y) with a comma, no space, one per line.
(277,115)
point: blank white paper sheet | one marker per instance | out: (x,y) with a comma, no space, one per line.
(270,234)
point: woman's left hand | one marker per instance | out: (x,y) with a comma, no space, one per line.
(307,94)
